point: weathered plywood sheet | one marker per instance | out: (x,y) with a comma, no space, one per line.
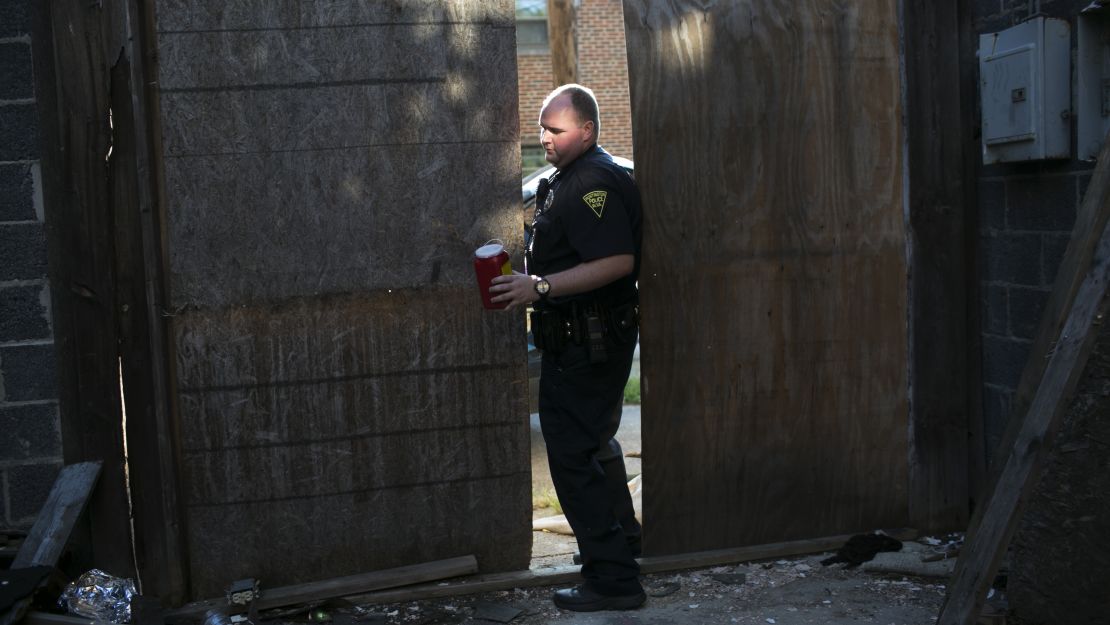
(769,152)
(351,433)
(344,403)
(323,221)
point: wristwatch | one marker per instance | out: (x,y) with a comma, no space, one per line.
(543,287)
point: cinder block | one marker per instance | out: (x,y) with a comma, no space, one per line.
(22,252)
(15,17)
(996,413)
(1044,203)
(28,487)
(19,133)
(24,313)
(992,205)
(16,79)
(1003,360)
(995,310)
(1054,247)
(30,431)
(1026,307)
(1012,258)
(17,190)
(30,373)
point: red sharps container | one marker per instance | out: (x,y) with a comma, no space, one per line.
(491,260)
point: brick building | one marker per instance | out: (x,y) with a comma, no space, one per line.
(602,66)
(30,443)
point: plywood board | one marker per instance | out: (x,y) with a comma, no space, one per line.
(770,155)
(344,403)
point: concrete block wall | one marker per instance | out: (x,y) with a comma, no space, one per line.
(602,66)
(30,443)
(1026,213)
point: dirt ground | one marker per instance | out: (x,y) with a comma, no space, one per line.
(792,591)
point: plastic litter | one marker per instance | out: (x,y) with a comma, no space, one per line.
(100,596)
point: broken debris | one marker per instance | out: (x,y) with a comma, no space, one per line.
(861,548)
(100,596)
(495,612)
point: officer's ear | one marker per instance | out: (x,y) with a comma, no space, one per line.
(590,128)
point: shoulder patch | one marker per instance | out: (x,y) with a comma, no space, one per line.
(596,201)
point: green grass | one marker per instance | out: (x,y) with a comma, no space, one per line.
(632,391)
(546,499)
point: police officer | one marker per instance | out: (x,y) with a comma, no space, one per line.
(582,263)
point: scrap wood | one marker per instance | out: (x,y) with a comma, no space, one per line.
(944,555)
(983,550)
(19,584)
(569,574)
(338,587)
(47,618)
(47,539)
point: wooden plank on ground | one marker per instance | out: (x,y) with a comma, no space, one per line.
(980,557)
(566,574)
(44,544)
(46,618)
(342,586)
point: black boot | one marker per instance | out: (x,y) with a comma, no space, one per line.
(582,599)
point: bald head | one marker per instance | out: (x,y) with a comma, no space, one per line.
(581,100)
(568,124)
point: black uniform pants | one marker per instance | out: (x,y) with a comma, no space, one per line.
(580,409)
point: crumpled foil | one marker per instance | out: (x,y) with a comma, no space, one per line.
(98,595)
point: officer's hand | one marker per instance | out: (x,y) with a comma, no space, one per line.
(516,290)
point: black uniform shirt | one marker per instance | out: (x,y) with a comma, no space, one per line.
(591,210)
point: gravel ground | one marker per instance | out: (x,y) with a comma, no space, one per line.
(793,591)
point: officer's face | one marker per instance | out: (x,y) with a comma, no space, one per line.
(564,136)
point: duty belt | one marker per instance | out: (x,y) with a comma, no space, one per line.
(553,329)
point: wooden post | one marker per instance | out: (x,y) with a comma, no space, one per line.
(938,303)
(981,555)
(135,177)
(74,47)
(562,37)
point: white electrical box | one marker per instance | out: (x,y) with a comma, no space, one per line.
(1025,86)
(1092,76)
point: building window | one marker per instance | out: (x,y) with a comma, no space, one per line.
(531,27)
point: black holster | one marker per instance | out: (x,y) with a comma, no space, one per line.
(553,329)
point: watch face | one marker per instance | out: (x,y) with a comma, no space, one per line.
(543,286)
